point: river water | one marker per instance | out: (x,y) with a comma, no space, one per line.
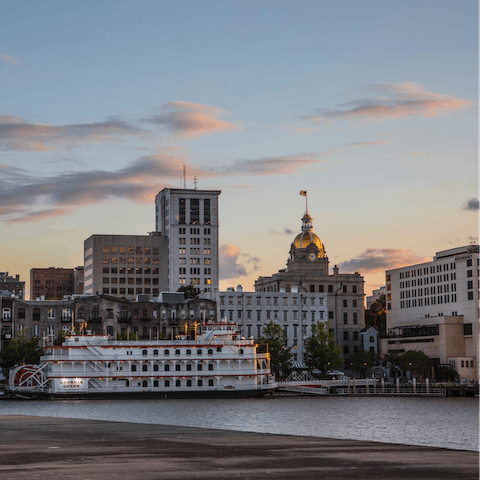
(437,421)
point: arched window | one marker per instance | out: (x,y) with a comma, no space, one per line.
(51,313)
(240,352)
(134,368)
(167,352)
(144,384)
(189,367)
(167,368)
(210,366)
(200,366)
(144,353)
(145,368)
(177,367)
(372,340)
(189,383)
(199,351)
(155,352)
(167,382)
(155,383)
(6,314)
(155,368)
(178,383)
(210,383)
(177,351)
(200,383)
(189,352)
(210,351)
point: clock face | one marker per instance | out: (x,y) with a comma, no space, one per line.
(312,256)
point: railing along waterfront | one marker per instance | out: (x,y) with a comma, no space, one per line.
(378,390)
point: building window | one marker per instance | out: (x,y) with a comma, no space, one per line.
(345,318)
(355,318)
(354,289)
(330,315)
(345,335)
(345,304)
(344,289)
(470,295)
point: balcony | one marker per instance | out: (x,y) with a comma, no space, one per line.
(124,320)
(145,319)
(94,320)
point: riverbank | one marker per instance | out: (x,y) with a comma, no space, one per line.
(67,448)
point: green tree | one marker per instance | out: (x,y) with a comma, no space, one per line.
(322,351)
(274,340)
(417,362)
(189,290)
(21,351)
(360,362)
(376,315)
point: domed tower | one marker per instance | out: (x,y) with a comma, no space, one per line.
(307,252)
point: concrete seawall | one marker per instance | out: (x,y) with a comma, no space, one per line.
(57,448)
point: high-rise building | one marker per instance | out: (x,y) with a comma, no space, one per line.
(189,219)
(125,265)
(51,283)
(434,307)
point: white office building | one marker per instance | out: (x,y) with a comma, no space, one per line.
(294,311)
(434,307)
(189,218)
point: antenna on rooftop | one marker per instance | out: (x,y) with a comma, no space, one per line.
(184,176)
(195,182)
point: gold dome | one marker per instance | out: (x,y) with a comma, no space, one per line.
(304,239)
(307,237)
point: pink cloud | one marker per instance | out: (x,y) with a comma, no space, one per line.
(399,101)
(190,119)
(375,260)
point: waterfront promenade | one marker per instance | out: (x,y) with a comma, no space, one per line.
(59,448)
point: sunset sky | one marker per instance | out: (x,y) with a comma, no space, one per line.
(370,106)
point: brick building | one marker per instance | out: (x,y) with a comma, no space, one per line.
(51,283)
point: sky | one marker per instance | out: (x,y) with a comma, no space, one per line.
(370,106)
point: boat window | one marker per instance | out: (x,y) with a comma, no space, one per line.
(144,352)
(167,352)
(145,368)
(199,351)
(177,368)
(155,383)
(210,383)
(200,383)
(155,368)
(177,351)
(219,349)
(178,383)
(210,366)
(189,352)
(127,384)
(167,368)
(189,367)
(189,383)
(240,352)
(155,352)
(144,383)
(167,382)
(210,351)
(134,368)
(200,367)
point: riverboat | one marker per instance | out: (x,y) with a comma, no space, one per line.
(216,363)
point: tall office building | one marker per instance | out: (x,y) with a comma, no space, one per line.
(189,218)
(434,307)
(51,283)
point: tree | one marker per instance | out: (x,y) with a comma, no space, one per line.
(360,362)
(322,351)
(376,316)
(21,351)
(417,362)
(189,290)
(274,340)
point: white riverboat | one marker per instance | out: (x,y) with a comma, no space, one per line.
(215,364)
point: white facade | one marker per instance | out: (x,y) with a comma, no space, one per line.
(189,218)
(294,311)
(419,294)
(376,294)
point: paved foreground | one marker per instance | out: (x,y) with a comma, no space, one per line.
(56,448)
